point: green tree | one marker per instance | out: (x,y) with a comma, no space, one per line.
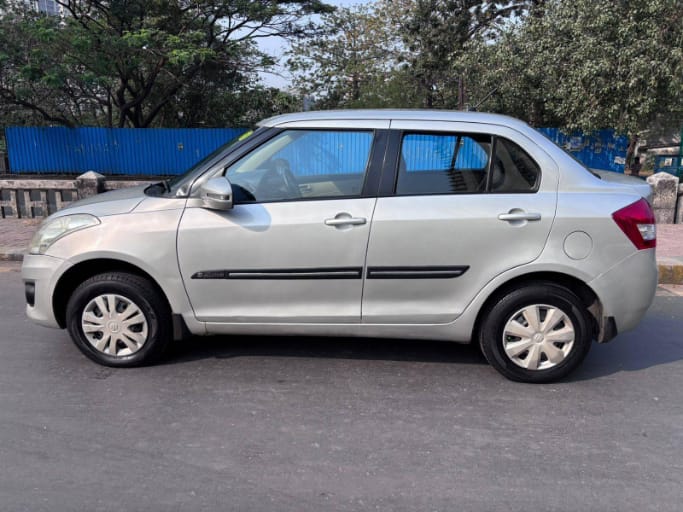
(399,53)
(348,61)
(588,64)
(136,62)
(436,35)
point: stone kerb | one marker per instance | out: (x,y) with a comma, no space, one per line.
(665,196)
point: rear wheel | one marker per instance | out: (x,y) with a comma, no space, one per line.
(539,333)
(119,319)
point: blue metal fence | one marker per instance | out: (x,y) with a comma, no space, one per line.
(328,152)
(112,150)
(172,151)
(673,164)
(432,152)
(604,149)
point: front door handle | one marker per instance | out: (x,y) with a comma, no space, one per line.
(344,219)
(350,221)
(519,215)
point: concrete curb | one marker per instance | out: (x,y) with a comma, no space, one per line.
(670,271)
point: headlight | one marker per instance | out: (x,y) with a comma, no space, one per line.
(54,229)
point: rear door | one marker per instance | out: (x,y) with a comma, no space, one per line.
(462,203)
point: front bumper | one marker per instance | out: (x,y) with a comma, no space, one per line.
(627,290)
(41,273)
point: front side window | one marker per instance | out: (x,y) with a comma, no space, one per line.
(443,164)
(303,164)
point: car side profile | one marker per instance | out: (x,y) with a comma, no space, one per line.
(458,226)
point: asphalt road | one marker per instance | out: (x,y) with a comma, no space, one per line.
(283,424)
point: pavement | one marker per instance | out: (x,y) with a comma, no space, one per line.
(295,424)
(670,253)
(15,235)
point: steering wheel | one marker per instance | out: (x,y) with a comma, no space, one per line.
(278,182)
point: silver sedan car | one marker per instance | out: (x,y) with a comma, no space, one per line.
(456,226)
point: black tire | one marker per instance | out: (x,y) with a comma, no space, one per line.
(492,342)
(144,295)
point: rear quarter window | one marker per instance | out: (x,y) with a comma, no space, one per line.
(512,169)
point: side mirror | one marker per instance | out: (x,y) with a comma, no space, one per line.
(216,194)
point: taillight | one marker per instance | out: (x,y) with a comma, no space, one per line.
(637,221)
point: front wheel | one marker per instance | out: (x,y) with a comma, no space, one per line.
(119,319)
(538,333)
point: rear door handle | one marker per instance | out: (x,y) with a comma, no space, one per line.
(346,221)
(513,216)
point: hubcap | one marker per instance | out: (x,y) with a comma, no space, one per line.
(114,325)
(538,337)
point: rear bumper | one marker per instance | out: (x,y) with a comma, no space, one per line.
(626,290)
(40,274)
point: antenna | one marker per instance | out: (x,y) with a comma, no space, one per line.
(474,108)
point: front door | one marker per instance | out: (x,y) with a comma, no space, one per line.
(293,247)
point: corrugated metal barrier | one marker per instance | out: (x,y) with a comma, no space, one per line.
(172,151)
(673,164)
(604,149)
(328,152)
(128,151)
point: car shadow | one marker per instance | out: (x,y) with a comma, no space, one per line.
(658,340)
(223,347)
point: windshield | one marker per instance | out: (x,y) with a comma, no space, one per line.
(179,186)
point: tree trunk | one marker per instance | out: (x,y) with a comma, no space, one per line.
(630,150)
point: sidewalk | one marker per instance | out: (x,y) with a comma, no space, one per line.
(670,253)
(15,235)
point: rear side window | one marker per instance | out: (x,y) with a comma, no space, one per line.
(443,164)
(512,169)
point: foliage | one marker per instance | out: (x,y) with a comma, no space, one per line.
(137,62)
(575,64)
(588,64)
(436,35)
(346,63)
(394,52)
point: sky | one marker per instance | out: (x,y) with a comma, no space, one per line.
(276,46)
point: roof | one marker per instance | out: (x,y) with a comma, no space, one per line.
(396,114)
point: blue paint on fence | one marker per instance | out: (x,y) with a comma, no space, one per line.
(112,150)
(328,152)
(673,164)
(432,152)
(603,149)
(172,151)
